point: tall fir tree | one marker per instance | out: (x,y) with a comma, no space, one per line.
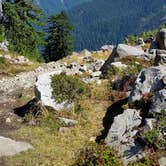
(59,41)
(21,19)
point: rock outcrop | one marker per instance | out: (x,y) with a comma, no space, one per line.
(148,81)
(161,39)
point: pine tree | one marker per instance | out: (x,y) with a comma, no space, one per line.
(59,41)
(21,19)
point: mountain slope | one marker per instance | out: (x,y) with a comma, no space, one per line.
(107,21)
(99,22)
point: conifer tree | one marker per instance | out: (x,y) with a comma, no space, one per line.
(21,19)
(59,41)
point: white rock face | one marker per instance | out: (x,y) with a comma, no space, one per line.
(148,81)
(9,147)
(44,91)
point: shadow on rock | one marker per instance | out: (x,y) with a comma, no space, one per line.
(112,111)
(32,106)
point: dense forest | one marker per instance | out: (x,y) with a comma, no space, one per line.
(102,22)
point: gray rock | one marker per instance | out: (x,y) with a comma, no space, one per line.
(161,39)
(121,135)
(122,126)
(158,102)
(121,51)
(148,81)
(68,122)
(10,147)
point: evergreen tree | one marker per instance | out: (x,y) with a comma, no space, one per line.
(21,19)
(59,41)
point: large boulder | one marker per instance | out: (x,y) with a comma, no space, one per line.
(121,51)
(44,92)
(161,39)
(148,81)
(122,126)
(158,101)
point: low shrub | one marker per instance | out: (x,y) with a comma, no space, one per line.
(98,155)
(68,88)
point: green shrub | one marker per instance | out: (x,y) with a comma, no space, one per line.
(154,137)
(98,155)
(67,88)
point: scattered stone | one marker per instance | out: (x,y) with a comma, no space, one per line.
(7,56)
(10,147)
(64,129)
(68,122)
(8,120)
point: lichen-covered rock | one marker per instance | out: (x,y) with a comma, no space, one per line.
(148,81)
